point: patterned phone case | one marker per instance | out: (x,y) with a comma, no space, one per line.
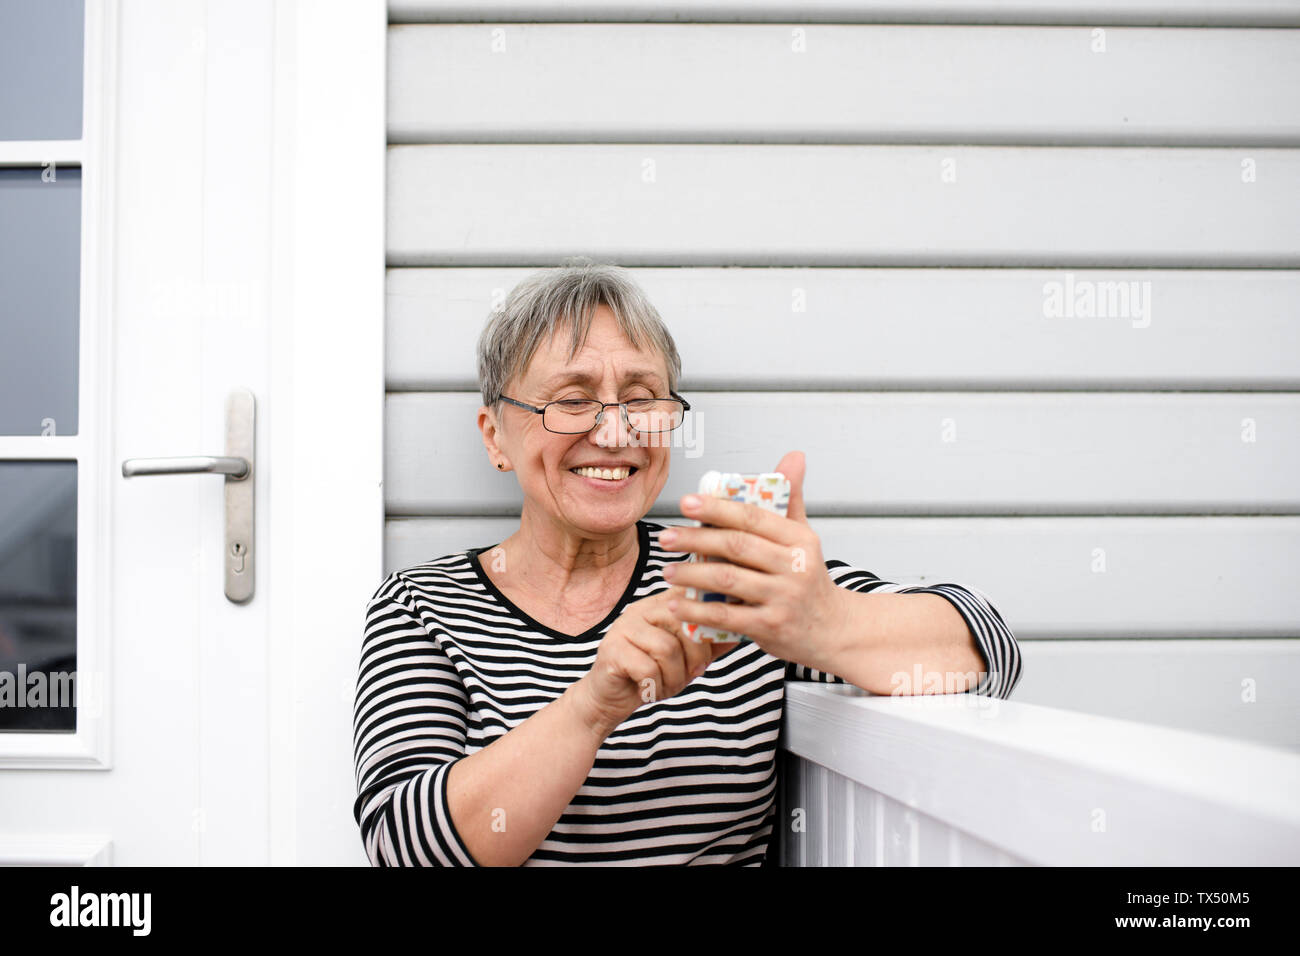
(770,490)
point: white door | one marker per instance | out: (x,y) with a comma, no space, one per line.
(222,184)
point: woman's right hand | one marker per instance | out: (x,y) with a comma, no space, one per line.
(643,657)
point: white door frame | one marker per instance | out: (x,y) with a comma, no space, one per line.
(327,388)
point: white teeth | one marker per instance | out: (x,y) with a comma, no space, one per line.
(609,474)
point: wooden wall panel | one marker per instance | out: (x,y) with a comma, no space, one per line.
(1084,12)
(943,329)
(782,205)
(841,83)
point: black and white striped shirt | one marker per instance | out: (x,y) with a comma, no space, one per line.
(448,664)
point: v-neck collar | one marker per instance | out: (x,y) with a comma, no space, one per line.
(643,544)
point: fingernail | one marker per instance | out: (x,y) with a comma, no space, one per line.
(691,502)
(668,536)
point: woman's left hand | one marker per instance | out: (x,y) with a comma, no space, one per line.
(793,610)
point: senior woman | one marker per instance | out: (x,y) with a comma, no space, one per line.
(535,702)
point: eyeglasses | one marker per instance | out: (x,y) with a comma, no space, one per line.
(574,416)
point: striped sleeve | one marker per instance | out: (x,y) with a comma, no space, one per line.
(409,724)
(997,645)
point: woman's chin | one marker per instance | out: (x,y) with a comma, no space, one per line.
(606,516)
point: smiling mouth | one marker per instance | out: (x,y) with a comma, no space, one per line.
(605,474)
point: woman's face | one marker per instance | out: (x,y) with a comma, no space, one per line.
(607,368)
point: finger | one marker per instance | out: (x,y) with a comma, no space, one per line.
(660,614)
(735,618)
(711,650)
(793,466)
(668,654)
(731,544)
(724,513)
(696,653)
(753,587)
(643,670)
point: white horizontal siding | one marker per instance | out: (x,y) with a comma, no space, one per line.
(780,205)
(836,83)
(914,328)
(1155,12)
(1057,578)
(887,453)
(1233,688)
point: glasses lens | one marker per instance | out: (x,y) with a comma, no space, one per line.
(571,417)
(654,415)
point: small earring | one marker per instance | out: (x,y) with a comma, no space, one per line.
(500,465)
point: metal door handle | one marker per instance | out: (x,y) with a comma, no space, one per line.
(237,467)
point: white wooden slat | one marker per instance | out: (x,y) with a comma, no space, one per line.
(819,816)
(839,820)
(1196,577)
(803,795)
(970,851)
(794,836)
(868,824)
(918,839)
(1089,12)
(902,833)
(934,841)
(765,204)
(839,83)
(781,845)
(913,328)
(915,453)
(1240,688)
(1035,782)
(796,853)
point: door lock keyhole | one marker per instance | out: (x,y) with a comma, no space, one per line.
(238,550)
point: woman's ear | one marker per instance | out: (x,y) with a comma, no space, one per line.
(487,423)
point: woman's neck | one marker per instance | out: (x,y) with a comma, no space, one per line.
(565,580)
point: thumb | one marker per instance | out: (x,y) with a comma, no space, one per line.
(793,466)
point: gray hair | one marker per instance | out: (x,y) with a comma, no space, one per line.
(545,300)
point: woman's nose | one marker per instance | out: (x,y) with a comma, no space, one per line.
(612,432)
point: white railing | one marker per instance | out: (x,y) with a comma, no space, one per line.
(961,780)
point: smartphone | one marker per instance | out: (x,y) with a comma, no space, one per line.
(770,490)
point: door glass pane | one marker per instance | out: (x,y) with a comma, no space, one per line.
(38,596)
(40,68)
(40,299)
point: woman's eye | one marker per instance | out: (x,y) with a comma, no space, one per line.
(639,397)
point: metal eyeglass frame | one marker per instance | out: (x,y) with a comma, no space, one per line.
(600,415)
